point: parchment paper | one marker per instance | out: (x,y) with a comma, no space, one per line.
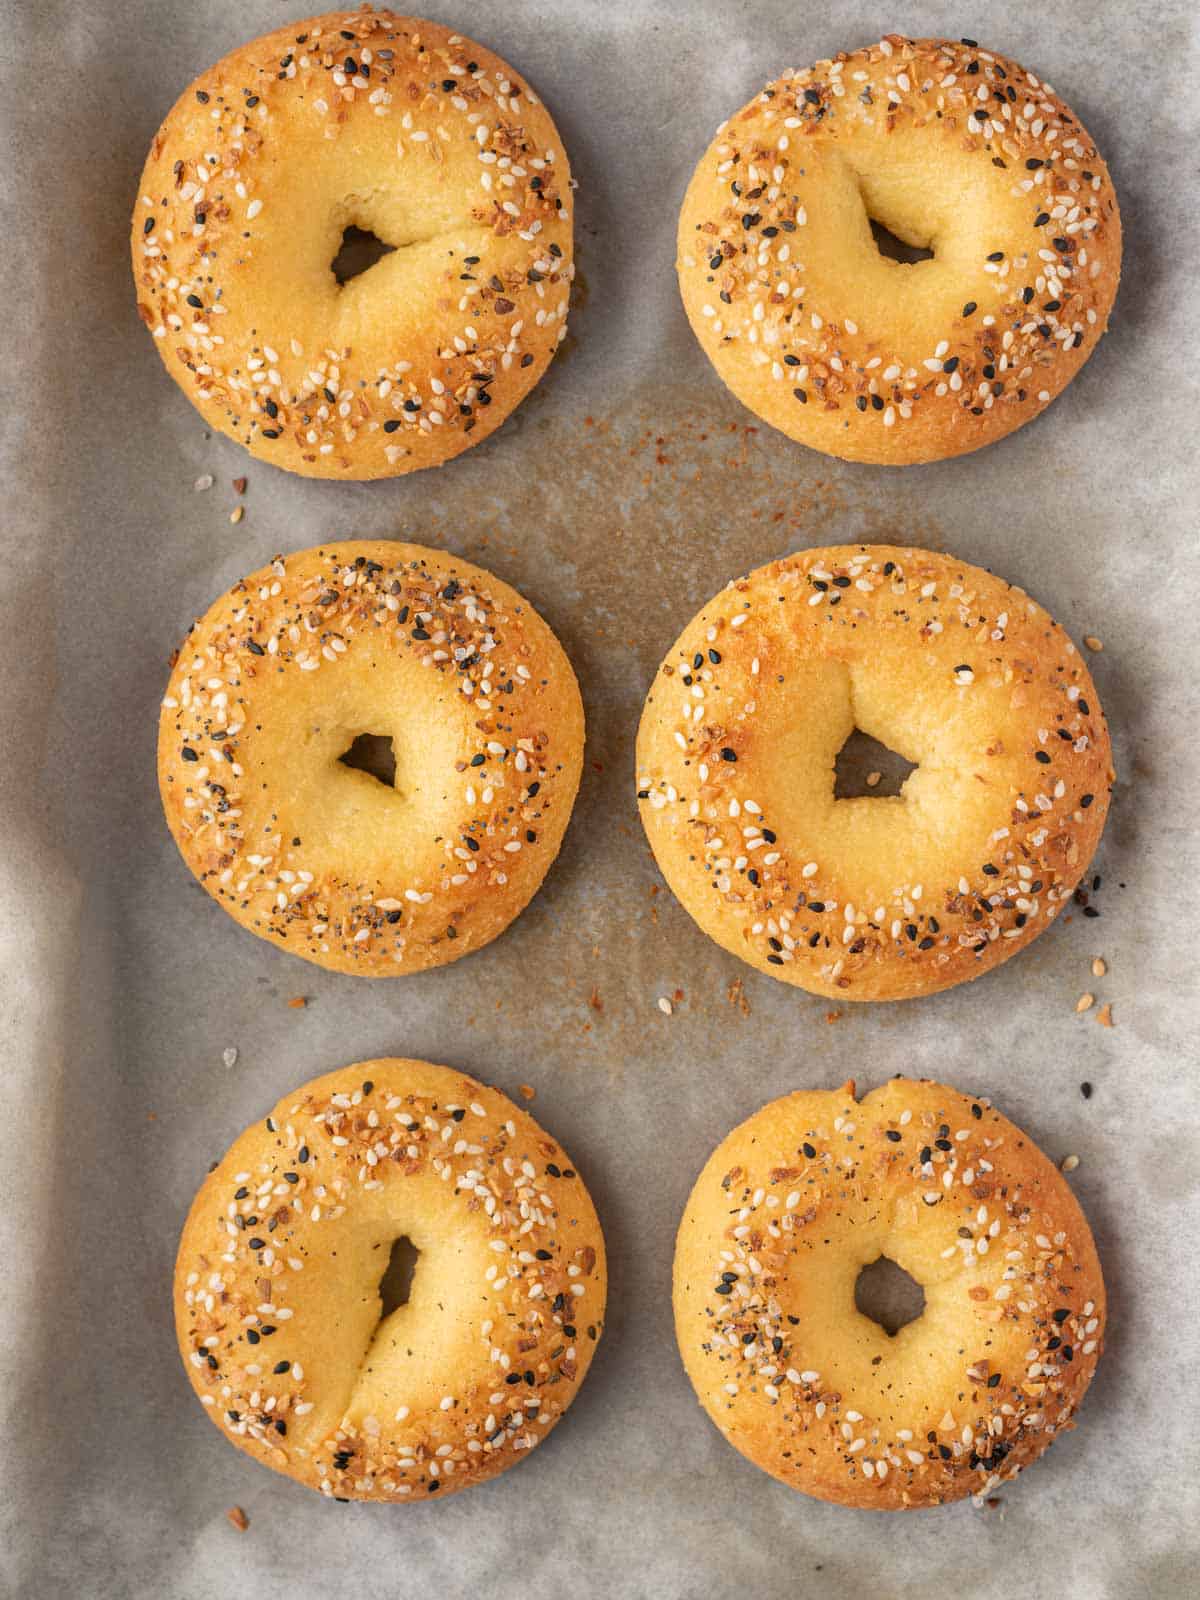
(622,495)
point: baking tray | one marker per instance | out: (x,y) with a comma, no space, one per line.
(621,496)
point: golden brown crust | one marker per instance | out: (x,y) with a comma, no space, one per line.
(873,899)
(871,359)
(404,129)
(788,1210)
(278,679)
(277,1304)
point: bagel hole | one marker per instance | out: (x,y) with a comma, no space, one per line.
(359,251)
(895,249)
(887,1295)
(866,768)
(395,1286)
(372,753)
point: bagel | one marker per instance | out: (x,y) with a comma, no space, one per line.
(955,150)
(402,129)
(277,1284)
(814,1187)
(873,898)
(272,688)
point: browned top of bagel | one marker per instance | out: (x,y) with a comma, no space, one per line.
(271,689)
(819,1184)
(873,898)
(951,147)
(399,127)
(277,1284)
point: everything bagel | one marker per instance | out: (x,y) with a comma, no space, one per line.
(952,148)
(277,1284)
(272,688)
(873,898)
(402,129)
(786,1213)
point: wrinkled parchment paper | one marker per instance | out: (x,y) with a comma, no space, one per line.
(624,493)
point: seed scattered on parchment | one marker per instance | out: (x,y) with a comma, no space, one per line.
(229,1055)
(665,1006)
(1092,642)
(873,778)
(203,482)
(594,999)
(832,1016)
(1069,1163)
(237,513)
(1105,1017)
(1085,1002)
(239,1518)
(298,1002)
(1085,1089)
(1099,967)
(239,485)
(526,1091)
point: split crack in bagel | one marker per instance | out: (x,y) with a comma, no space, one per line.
(276,681)
(950,147)
(277,1280)
(873,898)
(403,129)
(785,1214)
